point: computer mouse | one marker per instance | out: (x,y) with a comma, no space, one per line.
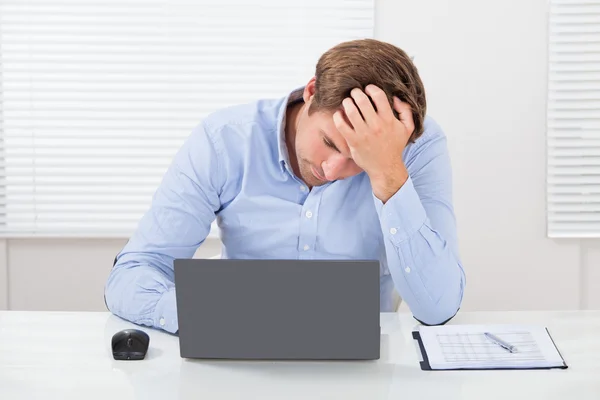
(130,344)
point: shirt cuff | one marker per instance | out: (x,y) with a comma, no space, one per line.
(165,314)
(402,215)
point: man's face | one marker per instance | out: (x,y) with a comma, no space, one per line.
(322,152)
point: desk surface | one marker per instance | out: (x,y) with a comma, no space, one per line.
(67,356)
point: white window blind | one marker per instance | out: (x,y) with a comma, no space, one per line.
(97,96)
(573,126)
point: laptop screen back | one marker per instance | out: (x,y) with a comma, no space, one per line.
(278,309)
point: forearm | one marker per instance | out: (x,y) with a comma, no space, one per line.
(142,294)
(425,269)
(141,285)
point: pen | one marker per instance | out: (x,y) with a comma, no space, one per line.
(495,339)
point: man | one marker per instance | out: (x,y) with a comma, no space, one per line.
(348,167)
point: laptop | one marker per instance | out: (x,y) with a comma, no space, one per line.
(278,309)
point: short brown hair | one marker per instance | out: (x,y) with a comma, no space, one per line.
(358,63)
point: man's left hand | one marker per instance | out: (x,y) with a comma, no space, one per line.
(377,138)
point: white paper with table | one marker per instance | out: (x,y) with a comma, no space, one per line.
(467,347)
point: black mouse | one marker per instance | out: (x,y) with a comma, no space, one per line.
(130,344)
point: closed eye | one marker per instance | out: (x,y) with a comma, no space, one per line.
(330,144)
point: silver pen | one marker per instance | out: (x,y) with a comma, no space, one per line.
(495,339)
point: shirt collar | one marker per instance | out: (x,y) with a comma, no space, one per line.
(284,158)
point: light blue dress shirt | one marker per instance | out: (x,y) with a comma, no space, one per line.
(235,167)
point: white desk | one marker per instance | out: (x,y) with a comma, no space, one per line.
(67,356)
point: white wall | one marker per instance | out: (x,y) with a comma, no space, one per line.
(64,274)
(484,67)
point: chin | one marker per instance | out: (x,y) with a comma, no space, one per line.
(317,182)
(310,179)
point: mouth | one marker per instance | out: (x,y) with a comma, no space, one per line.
(317,175)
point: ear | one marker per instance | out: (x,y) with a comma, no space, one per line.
(309,90)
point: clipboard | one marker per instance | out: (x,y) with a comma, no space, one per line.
(465,347)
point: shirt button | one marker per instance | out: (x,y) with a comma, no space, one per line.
(393,231)
(308,214)
(161,322)
(407,269)
(302,188)
(306,247)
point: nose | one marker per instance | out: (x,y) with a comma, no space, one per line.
(333,167)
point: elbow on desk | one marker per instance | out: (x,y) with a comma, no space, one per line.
(133,291)
(110,288)
(436,318)
(121,292)
(121,300)
(443,311)
(111,299)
